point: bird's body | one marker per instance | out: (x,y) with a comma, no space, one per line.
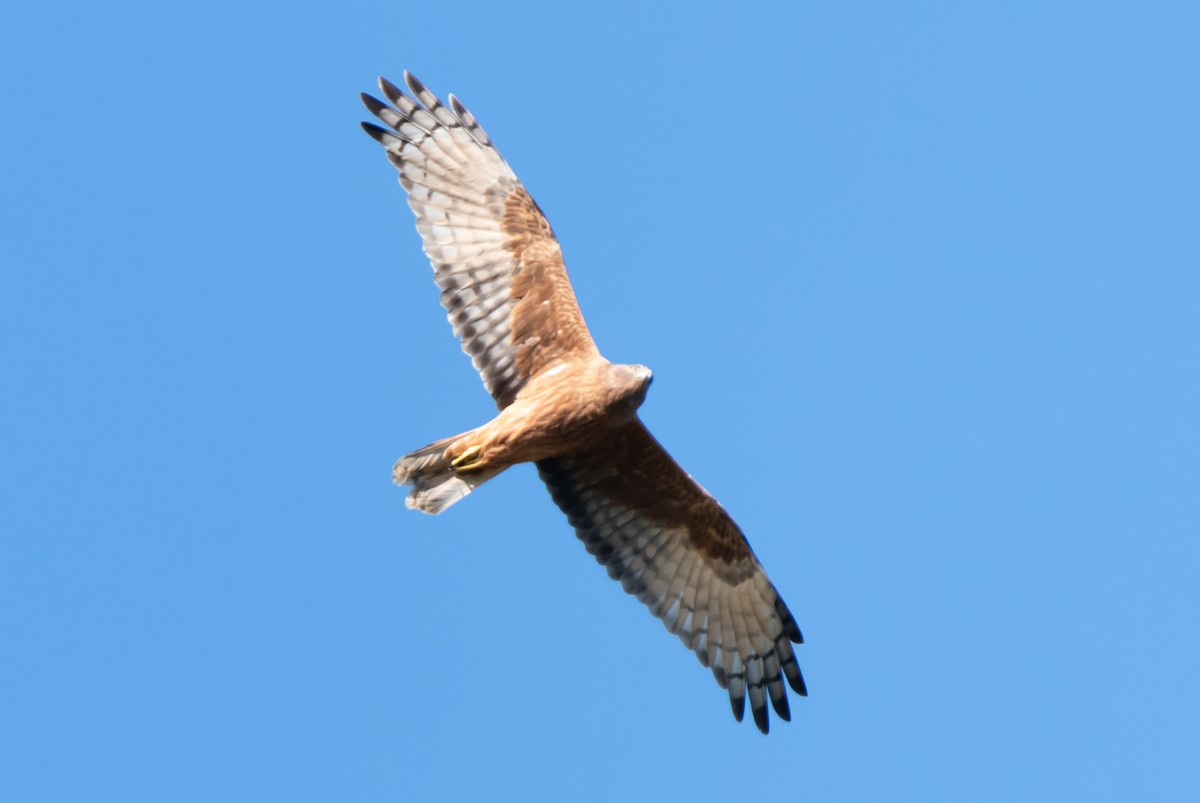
(568,408)
(565,408)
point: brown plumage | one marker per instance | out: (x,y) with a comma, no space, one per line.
(570,411)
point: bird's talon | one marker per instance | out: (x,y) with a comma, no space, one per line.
(459,463)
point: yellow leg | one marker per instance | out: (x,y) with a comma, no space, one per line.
(459,463)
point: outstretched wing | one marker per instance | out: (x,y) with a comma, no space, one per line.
(675,548)
(494,256)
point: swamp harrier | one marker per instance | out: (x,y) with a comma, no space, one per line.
(568,410)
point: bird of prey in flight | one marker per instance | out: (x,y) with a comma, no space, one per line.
(571,412)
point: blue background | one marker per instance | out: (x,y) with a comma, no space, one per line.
(920,286)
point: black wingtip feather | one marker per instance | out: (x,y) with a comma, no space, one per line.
(377,133)
(780,704)
(761,719)
(390,90)
(414,86)
(373,104)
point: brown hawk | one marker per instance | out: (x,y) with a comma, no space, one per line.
(570,411)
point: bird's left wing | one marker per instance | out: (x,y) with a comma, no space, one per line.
(675,548)
(494,255)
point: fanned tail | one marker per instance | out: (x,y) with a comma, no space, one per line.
(436,485)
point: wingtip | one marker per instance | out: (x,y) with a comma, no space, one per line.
(389,139)
(373,104)
(799,686)
(390,90)
(738,704)
(762,719)
(377,133)
(413,83)
(779,701)
(460,110)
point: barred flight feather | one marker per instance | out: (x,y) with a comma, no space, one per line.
(740,629)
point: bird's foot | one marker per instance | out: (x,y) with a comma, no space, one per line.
(459,463)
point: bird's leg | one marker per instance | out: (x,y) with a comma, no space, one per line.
(459,463)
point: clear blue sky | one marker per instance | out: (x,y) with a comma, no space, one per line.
(920,286)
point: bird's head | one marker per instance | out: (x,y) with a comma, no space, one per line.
(630,383)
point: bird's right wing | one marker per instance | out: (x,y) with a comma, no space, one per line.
(494,255)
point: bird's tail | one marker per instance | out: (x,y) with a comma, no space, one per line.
(436,484)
